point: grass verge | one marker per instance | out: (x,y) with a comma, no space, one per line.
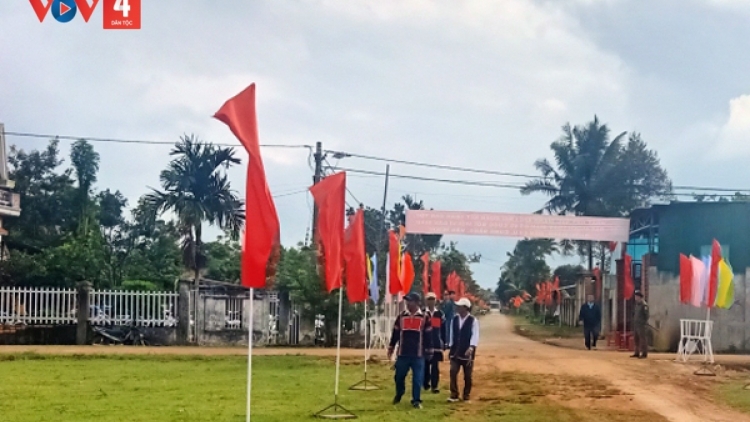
(285,388)
(534,330)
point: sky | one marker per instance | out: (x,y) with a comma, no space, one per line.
(479,84)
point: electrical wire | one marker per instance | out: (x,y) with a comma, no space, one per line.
(343,154)
(133,141)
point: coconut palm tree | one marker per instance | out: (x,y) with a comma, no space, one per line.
(594,176)
(197,190)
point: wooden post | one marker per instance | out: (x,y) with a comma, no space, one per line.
(84,296)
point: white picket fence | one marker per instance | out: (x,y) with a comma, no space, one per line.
(51,306)
(150,309)
(26,306)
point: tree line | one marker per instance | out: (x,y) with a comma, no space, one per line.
(72,230)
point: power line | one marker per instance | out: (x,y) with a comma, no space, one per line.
(132,141)
(343,154)
(511,186)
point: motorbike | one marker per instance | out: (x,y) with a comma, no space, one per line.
(124,334)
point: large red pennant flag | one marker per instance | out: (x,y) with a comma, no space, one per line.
(355,259)
(686,279)
(628,283)
(261,242)
(330,197)
(407,278)
(425,273)
(394,266)
(437,285)
(713,277)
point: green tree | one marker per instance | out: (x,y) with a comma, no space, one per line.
(197,190)
(155,256)
(47,198)
(594,176)
(298,275)
(223,260)
(526,265)
(569,274)
(85,163)
(452,259)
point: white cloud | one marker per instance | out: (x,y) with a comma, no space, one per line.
(734,134)
(475,83)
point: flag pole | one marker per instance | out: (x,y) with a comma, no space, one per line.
(336,406)
(338,347)
(250,355)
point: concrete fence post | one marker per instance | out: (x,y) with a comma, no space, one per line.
(82,331)
(183,312)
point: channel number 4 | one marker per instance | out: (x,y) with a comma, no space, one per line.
(123,6)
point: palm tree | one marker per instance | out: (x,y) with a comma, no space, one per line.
(197,190)
(581,184)
(594,176)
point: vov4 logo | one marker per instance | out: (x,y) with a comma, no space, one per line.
(117,14)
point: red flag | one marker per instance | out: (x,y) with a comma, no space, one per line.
(355,259)
(461,287)
(686,279)
(597,283)
(425,273)
(539,294)
(628,284)
(330,197)
(261,241)
(394,270)
(437,284)
(548,293)
(713,277)
(453,282)
(612,246)
(407,278)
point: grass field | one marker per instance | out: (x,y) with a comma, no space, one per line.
(193,388)
(735,395)
(536,331)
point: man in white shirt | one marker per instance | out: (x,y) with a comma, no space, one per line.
(463,343)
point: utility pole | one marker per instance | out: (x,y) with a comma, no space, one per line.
(316,179)
(382,210)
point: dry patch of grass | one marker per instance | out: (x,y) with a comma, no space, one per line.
(583,398)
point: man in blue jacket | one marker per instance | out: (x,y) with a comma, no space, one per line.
(591,316)
(413,333)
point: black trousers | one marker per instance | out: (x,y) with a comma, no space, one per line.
(456,366)
(590,334)
(432,373)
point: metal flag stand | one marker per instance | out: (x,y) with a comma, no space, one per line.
(365,384)
(337,411)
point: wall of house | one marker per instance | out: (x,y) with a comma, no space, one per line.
(730,332)
(686,227)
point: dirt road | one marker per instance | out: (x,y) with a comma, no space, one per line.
(657,384)
(508,362)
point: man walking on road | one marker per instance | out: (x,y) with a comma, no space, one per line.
(413,334)
(437,324)
(463,345)
(640,321)
(449,308)
(591,316)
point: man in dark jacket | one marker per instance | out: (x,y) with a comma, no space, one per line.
(463,345)
(591,316)
(413,333)
(449,308)
(437,323)
(640,322)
